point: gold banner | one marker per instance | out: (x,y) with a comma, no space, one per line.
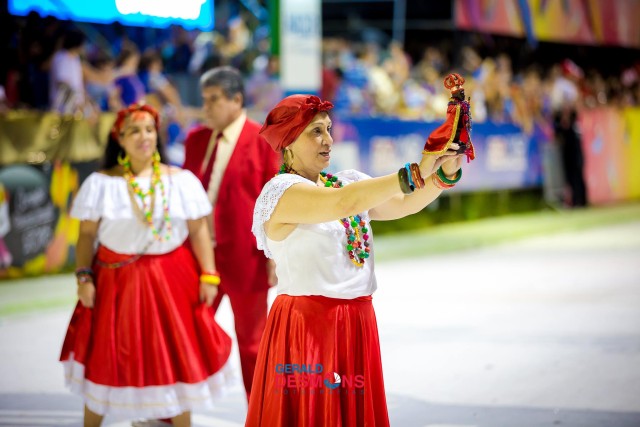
(36,137)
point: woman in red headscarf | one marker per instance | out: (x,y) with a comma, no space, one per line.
(142,341)
(319,360)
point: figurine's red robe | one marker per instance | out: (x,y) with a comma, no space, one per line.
(458,117)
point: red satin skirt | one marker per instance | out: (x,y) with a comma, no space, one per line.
(319,365)
(149,348)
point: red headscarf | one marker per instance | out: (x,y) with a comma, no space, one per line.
(288,119)
(131,109)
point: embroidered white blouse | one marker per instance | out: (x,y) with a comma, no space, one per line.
(106,199)
(313,259)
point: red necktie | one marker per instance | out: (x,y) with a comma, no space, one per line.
(207,172)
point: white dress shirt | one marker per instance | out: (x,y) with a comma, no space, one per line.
(226,145)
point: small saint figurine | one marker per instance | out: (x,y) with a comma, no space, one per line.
(457,126)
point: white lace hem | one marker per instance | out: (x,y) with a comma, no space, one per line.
(151,402)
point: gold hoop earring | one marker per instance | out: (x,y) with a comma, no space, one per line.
(123,161)
(288,158)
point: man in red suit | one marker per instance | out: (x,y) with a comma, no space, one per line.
(233,162)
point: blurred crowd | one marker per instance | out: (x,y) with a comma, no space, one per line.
(364,79)
(86,69)
(51,65)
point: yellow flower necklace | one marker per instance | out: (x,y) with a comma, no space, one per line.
(147,209)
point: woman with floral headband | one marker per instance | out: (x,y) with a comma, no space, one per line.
(319,360)
(142,341)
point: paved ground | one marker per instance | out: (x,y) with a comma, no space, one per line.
(543,332)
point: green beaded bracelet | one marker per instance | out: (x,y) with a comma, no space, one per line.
(446,180)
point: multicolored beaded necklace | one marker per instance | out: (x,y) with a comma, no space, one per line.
(147,209)
(357,240)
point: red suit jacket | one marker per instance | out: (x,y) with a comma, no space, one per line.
(241,265)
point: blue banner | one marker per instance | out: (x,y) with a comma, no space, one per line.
(506,157)
(190,14)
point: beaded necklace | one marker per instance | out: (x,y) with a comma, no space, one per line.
(357,239)
(147,209)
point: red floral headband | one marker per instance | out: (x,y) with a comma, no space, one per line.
(131,109)
(288,119)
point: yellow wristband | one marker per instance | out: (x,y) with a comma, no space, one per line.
(210,279)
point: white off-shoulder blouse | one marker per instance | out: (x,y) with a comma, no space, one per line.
(106,199)
(313,260)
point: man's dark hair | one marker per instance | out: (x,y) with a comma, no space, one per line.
(226,78)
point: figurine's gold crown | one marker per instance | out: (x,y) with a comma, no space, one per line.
(454,82)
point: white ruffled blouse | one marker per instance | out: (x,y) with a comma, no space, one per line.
(107,199)
(313,259)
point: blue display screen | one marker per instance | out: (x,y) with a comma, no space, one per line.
(190,14)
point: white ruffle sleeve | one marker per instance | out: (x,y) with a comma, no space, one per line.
(89,203)
(267,202)
(193,201)
(107,199)
(102,196)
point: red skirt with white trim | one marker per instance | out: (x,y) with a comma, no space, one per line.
(149,348)
(319,365)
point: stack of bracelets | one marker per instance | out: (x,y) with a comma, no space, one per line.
(84,275)
(210,278)
(441,181)
(410,178)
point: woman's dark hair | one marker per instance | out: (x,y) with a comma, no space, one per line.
(113,150)
(73,39)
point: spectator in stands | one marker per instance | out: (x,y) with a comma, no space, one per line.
(386,94)
(397,64)
(66,84)
(104,94)
(177,53)
(565,98)
(433,57)
(354,95)
(68,74)
(263,86)
(423,95)
(206,52)
(532,94)
(127,82)
(155,82)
